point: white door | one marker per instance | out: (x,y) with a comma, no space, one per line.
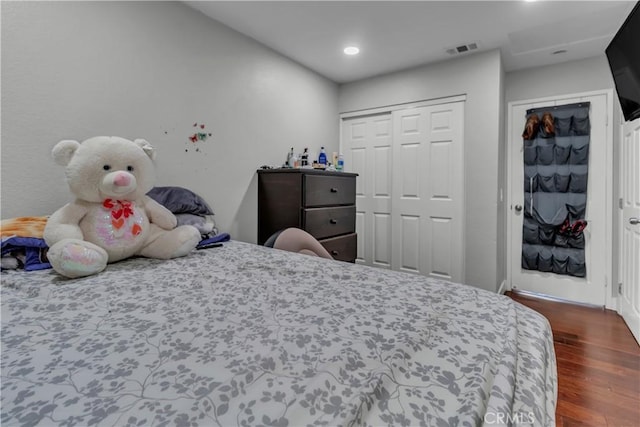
(629,298)
(592,288)
(428,191)
(367,152)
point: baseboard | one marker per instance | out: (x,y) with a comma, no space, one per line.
(555,299)
(502,287)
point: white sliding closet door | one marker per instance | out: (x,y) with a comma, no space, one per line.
(427,193)
(367,152)
(410,188)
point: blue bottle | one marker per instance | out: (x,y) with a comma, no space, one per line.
(322,158)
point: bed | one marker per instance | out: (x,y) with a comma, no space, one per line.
(247,335)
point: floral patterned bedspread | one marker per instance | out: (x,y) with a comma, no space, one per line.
(247,335)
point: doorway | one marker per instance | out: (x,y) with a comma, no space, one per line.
(594,287)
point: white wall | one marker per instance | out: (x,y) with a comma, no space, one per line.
(479,77)
(569,77)
(585,75)
(71,70)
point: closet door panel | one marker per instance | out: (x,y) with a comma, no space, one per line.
(382,164)
(410,243)
(439,247)
(382,240)
(363,238)
(409,172)
(359,162)
(354,132)
(445,186)
(407,200)
(439,170)
(428,162)
(410,123)
(367,149)
(382,138)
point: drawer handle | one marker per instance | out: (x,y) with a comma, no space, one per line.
(333,221)
(334,190)
(335,253)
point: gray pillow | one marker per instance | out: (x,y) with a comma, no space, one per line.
(180,200)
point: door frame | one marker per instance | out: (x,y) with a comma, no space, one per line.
(395,107)
(630,316)
(409,105)
(610,300)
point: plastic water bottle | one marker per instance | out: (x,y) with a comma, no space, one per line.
(340,165)
(290,160)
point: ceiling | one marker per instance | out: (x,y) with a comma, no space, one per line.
(395,35)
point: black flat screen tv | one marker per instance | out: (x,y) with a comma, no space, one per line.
(623,54)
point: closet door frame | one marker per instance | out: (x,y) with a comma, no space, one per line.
(390,110)
(396,107)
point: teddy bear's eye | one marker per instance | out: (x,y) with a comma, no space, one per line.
(106,167)
(130,168)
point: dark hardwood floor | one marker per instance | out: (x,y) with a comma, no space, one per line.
(598,364)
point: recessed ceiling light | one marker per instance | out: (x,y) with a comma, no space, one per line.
(351,50)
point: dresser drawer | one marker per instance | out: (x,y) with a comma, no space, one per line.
(343,248)
(329,190)
(328,222)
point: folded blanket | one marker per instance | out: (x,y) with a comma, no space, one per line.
(222,237)
(22,243)
(24,226)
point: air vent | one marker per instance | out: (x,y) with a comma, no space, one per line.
(465,48)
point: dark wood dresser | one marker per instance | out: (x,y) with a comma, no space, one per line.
(320,202)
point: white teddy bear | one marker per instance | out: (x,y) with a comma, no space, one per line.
(111,218)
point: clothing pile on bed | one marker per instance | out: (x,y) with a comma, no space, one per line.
(22,243)
(23,246)
(188,207)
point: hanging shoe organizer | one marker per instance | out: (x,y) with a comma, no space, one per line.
(556,166)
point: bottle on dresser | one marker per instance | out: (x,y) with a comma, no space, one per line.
(322,158)
(294,160)
(289,162)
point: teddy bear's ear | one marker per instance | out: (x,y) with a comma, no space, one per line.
(146,147)
(63,151)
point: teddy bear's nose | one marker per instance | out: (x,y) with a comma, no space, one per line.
(122,180)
